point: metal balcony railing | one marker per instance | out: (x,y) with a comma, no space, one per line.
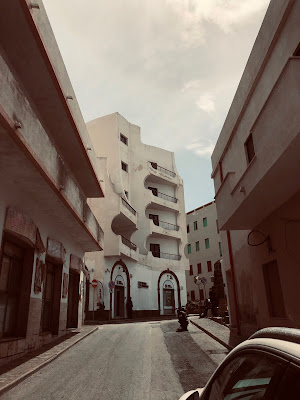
(162,169)
(163,196)
(128,243)
(128,206)
(166,225)
(167,256)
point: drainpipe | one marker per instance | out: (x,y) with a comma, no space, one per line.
(233,283)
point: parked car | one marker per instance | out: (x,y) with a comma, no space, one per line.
(266,366)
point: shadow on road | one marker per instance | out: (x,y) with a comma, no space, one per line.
(15,363)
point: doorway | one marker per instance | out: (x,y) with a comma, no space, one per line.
(155,249)
(169,301)
(119,305)
(73,300)
(155,219)
(51,298)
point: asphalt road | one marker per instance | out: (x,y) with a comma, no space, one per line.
(148,361)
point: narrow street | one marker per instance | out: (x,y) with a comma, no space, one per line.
(148,360)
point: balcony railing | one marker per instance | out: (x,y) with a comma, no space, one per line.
(167,256)
(128,243)
(162,169)
(166,225)
(128,206)
(163,196)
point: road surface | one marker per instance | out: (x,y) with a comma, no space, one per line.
(136,361)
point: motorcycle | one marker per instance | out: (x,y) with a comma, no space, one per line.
(182,318)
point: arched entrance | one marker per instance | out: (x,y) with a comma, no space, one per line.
(168,298)
(121,292)
(119,296)
(168,293)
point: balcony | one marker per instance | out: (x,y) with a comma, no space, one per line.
(166,225)
(162,201)
(166,256)
(128,206)
(128,243)
(163,195)
(248,196)
(117,245)
(161,174)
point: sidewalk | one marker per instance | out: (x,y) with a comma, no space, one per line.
(16,371)
(220,333)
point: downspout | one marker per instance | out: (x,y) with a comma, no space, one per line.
(233,283)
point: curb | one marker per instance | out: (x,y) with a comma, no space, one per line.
(213,336)
(35,369)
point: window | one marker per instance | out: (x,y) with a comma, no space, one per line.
(195,225)
(273,290)
(199,268)
(201,294)
(247,376)
(249,146)
(207,243)
(188,229)
(197,246)
(209,269)
(124,166)
(191,270)
(123,139)
(204,222)
(220,249)
(189,247)
(192,295)
(155,249)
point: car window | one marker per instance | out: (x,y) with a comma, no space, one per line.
(290,385)
(247,377)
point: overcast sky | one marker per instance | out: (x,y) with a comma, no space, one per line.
(169,66)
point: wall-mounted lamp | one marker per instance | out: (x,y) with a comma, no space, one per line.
(17,124)
(89,148)
(107,270)
(61,187)
(130,276)
(242,189)
(69,97)
(34,5)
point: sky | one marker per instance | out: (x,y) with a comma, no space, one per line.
(169,66)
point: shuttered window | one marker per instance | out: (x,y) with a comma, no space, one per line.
(273,290)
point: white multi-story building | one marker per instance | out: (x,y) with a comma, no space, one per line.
(143,217)
(203,250)
(256,176)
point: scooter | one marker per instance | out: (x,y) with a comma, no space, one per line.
(182,318)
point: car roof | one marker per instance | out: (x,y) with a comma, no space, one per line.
(282,333)
(287,349)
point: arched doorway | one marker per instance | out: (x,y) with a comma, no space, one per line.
(121,292)
(168,293)
(168,298)
(119,297)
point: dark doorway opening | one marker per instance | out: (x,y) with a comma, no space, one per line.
(51,298)
(73,300)
(155,249)
(119,302)
(169,301)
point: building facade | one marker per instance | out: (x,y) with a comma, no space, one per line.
(203,250)
(256,176)
(46,177)
(144,222)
